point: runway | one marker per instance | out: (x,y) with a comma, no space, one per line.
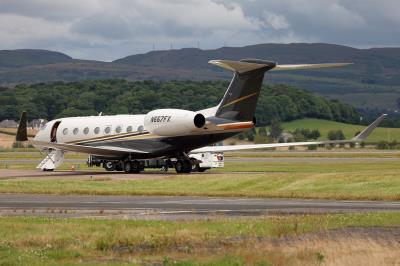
(175,207)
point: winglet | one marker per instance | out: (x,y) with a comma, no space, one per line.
(368,130)
(22,134)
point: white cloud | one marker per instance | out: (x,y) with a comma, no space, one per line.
(275,21)
(103,29)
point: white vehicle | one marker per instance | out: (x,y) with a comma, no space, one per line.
(124,142)
(208,160)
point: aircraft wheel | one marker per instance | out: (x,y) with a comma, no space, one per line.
(183,166)
(195,167)
(119,166)
(109,166)
(179,166)
(132,167)
(136,167)
(128,167)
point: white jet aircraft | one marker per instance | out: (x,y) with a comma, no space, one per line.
(123,142)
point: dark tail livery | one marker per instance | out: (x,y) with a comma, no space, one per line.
(240,100)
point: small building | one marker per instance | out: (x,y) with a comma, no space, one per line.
(286,137)
(8,124)
(37,123)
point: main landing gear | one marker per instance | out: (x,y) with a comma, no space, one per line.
(183,166)
(132,167)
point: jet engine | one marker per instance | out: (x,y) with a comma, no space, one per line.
(173,122)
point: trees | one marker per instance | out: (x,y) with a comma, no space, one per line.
(276,129)
(52,100)
(303,134)
(336,135)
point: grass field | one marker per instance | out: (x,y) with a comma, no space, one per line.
(324,126)
(221,241)
(372,180)
(322,153)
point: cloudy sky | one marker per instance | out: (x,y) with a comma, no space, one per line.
(107,30)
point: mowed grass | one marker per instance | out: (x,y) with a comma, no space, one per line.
(369,180)
(220,241)
(347,153)
(324,126)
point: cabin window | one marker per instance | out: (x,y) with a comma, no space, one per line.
(97,130)
(129,129)
(65,131)
(118,129)
(140,129)
(76,130)
(86,130)
(107,130)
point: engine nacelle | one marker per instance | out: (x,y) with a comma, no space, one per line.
(173,122)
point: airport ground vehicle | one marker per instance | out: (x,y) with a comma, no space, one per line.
(200,163)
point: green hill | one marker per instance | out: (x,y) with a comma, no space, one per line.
(372,82)
(349,130)
(30,57)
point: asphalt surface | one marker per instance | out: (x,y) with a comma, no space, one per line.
(176,207)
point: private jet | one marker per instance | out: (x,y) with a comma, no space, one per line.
(124,142)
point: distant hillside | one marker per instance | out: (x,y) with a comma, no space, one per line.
(349,130)
(30,57)
(372,82)
(118,96)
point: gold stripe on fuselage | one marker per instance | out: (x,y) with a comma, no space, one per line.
(110,137)
(240,99)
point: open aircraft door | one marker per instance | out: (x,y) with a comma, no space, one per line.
(53,132)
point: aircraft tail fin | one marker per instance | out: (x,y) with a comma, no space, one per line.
(22,134)
(240,99)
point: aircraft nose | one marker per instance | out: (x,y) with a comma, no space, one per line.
(40,136)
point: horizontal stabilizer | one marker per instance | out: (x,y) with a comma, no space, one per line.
(244,65)
(308,66)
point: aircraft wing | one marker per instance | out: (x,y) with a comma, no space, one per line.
(359,138)
(98,150)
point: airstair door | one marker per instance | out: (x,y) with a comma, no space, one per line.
(53,133)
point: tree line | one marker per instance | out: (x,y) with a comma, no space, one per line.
(116,96)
